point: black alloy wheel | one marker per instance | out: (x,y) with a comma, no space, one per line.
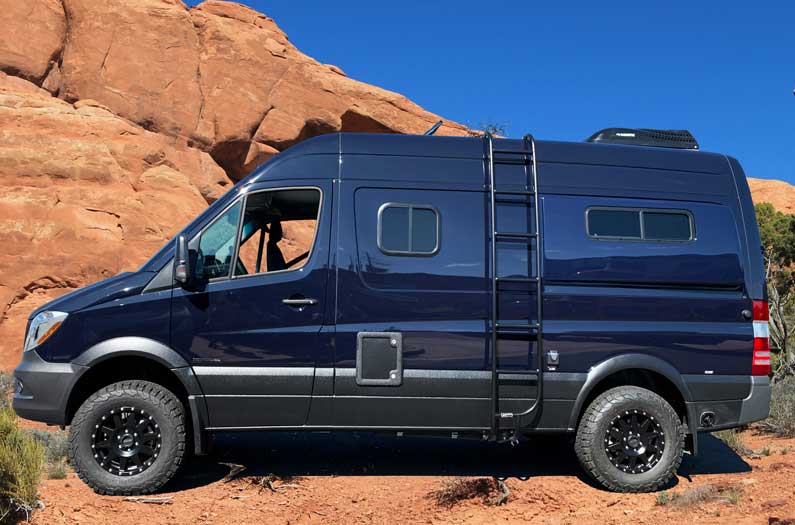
(126,441)
(634,441)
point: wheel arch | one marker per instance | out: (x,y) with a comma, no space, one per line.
(640,370)
(125,358)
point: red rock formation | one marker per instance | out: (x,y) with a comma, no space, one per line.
(777,192)
(120,120)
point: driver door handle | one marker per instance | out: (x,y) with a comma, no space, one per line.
(299,302)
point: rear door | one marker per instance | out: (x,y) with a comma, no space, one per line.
(252,331)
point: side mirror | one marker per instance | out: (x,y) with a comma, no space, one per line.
(182,271)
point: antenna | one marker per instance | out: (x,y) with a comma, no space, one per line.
(433,128)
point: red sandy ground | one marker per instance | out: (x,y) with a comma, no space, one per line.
(385,480)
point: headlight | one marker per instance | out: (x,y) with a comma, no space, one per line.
(42,327)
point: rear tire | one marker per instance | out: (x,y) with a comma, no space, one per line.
(630,440)
(128,438)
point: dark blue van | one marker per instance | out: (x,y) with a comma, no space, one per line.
(468,287)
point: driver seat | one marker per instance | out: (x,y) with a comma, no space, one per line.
(273,254)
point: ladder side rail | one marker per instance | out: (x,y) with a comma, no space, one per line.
(539,289)
(494,299)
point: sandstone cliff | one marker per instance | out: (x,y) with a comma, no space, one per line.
(120,120)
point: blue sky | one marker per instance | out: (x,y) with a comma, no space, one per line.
(723,69)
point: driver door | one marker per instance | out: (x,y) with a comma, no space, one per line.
(252,328)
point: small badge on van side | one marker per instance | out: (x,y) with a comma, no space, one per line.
(553,359)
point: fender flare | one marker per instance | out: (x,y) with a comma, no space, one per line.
(131,346)
(163,355)
(625,362)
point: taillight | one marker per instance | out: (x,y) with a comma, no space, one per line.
(760,366)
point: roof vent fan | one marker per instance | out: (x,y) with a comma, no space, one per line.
(660,138)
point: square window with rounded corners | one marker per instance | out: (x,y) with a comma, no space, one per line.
(408,229)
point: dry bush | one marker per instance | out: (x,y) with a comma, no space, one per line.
(782,410)
(728,494)
(56,451)
(21,463)
(491,491)
(6,384)
(734,441)
(272,482)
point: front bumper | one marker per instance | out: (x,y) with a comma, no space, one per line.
(719,414)
(41,389)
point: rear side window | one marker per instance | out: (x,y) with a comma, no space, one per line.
(624,224)
(408,229)
(667,226)
(639,224)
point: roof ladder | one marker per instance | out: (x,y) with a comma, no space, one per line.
(504,425)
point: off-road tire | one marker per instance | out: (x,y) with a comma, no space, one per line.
(157,401)
(590,441)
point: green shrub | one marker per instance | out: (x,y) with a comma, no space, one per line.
(782,409)
(21,463)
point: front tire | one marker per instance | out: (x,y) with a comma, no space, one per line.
(630,440)
(128,438)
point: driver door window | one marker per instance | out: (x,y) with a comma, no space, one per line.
(278,231)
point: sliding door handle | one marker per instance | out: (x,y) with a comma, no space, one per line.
(303,301)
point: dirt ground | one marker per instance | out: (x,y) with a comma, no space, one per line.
(359,478)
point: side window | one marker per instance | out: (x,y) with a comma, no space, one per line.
(667,226)
(623,224)
(639,224)
(217,244)
(408,229)
(278,230)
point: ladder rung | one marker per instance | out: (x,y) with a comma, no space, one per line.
(518,279)
(513,151)
(513,162)
(516,235)
(510,326)
(510,192)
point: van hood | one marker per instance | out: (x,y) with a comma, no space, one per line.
(122,285)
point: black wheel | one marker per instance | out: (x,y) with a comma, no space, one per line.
(128,438)
(630,440)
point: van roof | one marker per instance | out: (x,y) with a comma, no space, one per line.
(472,148)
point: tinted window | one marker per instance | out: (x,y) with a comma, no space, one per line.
(614,223)
(217,245)
(405,229)
(666,226)
(423,230)
(278,230)
(395,229)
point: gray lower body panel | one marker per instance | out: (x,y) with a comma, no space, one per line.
(45,388)
(753,406)
(249,397)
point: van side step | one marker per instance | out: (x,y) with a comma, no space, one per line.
(504,425)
